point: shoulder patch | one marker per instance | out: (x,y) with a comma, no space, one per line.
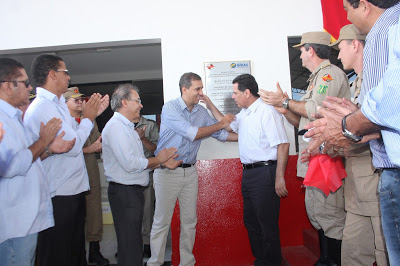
(322,89)
(327,78)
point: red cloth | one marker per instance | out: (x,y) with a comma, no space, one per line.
(325,173)
(334,16)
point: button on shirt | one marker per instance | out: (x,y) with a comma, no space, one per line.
(25,202)
(179,128)
(123,157)
(381,103)
(375,60)
(66,172)
(260,129)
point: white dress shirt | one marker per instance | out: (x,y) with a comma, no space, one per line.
(25,202)
(123,156)
(66,172)
(260,129)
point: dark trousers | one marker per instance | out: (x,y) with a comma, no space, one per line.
(261,214)
(64,244)
(126,204)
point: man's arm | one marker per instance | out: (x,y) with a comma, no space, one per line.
(232,136)
(208,131)
(214,110)
(358,124)
(282,159)
(291,117)
(277,98)
(151,147)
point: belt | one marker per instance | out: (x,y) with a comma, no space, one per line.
(186,165)
(118,184)
(258,164)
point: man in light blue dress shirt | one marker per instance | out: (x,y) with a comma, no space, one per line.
(25,202)
(63,244)
(378,114)
(184,124)
(127,170)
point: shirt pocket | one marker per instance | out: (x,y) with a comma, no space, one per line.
(365,180)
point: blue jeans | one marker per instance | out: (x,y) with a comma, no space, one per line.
(18,251)
(389,193)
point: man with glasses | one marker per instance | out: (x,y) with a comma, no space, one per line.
(25,201)
(63,244)
(94,214)
(127,170)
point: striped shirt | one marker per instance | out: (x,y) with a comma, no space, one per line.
(375,62)
(380,102)
(179,128)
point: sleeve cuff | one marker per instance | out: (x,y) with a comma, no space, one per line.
(192,132)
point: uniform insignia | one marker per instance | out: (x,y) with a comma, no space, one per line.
(327,77)
(322,89)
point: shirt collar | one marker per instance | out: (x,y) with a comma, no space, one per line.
(124,119)
(382,19)
(183,105)
(43,93)
(323,64)
(253,107)
(10,110)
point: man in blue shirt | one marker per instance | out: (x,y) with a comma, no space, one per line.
(378,113)
(184,124)
(25,202)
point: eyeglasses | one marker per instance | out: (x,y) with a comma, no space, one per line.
(137,100)
(63,70)
(76,100)
(26,82)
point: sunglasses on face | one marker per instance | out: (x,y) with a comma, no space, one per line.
(15,82)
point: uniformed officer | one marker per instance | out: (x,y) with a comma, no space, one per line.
(326,213)
(363,241)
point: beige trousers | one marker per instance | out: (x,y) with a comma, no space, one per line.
(326,212)
(363,241)
(170,185)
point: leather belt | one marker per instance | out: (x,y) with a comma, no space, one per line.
(186,165)
(258,164)
(135,186)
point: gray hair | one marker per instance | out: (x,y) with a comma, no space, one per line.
(122,92)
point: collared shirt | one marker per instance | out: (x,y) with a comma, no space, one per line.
(151,133)
(380,102)
(375,60)
(25,202)
(260,129)
(325,80)
(179,128)
(66,172)
(123,156)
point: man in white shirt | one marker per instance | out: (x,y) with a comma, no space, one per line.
(25,202)
(127,170)
(264,152)
(63,244)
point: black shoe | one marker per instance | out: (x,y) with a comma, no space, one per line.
(323,248)
(146,251)
(167,263)
(95,255)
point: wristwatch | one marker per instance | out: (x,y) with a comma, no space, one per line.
(351,136)
(285,103)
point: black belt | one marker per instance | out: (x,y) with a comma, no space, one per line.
(257,164)
(186,165)
(118,184)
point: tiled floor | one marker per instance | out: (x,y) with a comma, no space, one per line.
(108,246)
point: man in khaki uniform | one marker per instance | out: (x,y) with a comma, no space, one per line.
(148,133)
(363,241)
(325,213)
(94,214)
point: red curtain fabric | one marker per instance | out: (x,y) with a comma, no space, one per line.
(334,16)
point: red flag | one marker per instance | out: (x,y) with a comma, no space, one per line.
(325,173)
(334,16)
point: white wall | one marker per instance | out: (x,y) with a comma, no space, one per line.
(191,32)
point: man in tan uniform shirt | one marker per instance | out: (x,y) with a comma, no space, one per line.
(325,213)
(94,214)
(363,241)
